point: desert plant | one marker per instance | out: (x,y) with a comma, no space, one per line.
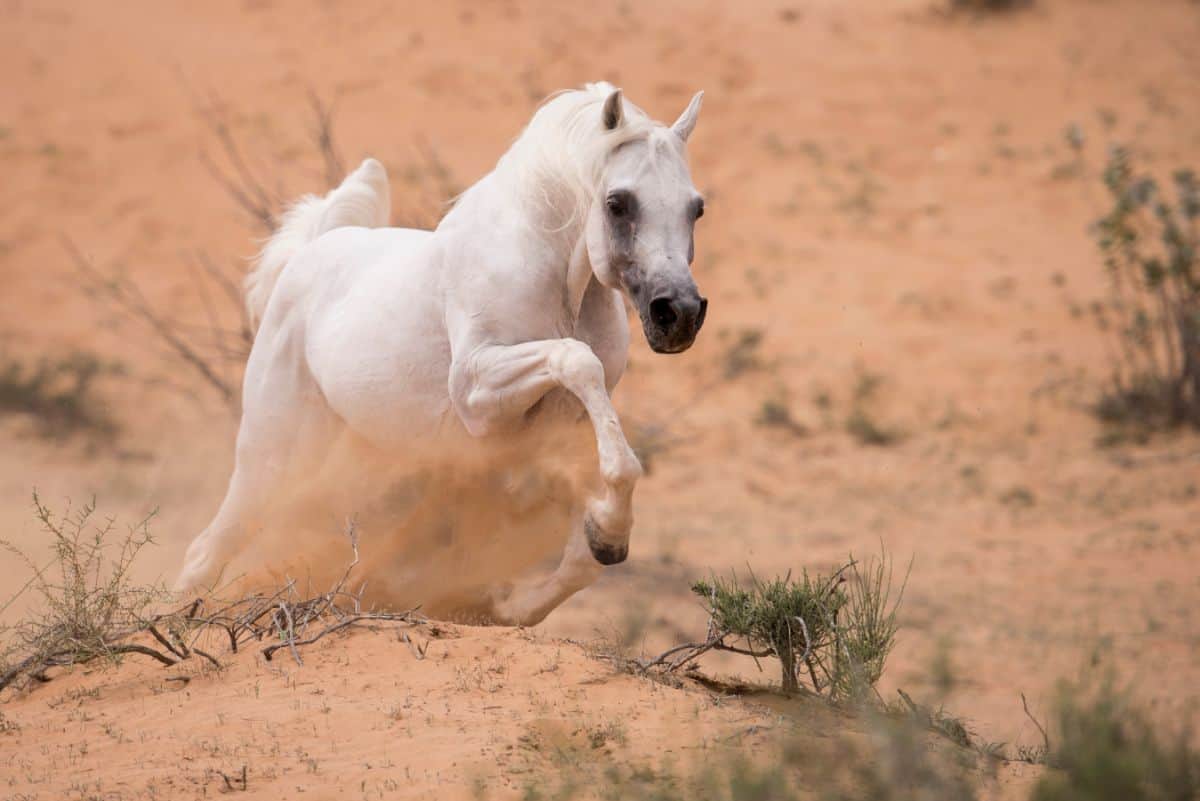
(863,427)
(89,601)
(937,720)
(58,394)
(744,353)
(988,5)
(775,412)
(895,762)
(1150,242)
(839,628)
(649,440)
(1108,748)
(866,633)
(898,765)
(860,422)
(89,606)
(791,620)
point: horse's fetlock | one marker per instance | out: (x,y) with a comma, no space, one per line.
(624,474)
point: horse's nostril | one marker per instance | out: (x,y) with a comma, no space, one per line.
(663,313)
(703,312)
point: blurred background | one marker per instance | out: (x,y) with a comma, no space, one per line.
(919,336)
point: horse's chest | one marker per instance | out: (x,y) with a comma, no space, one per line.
(603,326)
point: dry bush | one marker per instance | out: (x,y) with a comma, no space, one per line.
(59,395)
(650,440)
(894,762)
(744,353)
(776,412)
(291,619)
(861,423)
(936,720)
(89,604)
(981,6)
(88,607)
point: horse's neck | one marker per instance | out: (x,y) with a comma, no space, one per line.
(559,256)
(578,276)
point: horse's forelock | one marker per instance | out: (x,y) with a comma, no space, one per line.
(563,149)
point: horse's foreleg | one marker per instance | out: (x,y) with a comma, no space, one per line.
(528,604)
(495,386)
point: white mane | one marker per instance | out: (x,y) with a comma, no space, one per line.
(558,159)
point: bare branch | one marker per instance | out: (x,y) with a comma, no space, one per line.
(1040,728)
(335,168)
(127,297)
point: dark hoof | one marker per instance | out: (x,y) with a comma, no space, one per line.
(605,554)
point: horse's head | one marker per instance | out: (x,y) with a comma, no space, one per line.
(639,229)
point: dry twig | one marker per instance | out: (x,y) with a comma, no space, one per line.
(283,616)
(1040,727)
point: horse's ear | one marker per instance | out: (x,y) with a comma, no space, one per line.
(687,120)
(614,111)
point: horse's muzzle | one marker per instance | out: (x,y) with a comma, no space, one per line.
(673,319)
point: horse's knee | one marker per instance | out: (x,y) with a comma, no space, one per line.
(576,366)
(479,412)
(480,407)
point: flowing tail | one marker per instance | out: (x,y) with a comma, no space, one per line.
(362,199)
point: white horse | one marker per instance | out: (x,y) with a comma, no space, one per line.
(506,317)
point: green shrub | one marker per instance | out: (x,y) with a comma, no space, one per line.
(793,621)
(1107,748)
(1150,242)
(838,628)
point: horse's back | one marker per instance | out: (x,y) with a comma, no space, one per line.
(374,338)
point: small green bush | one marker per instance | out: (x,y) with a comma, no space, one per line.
(1150,241)
(1109,749)
(989,5)
(838,628)
(793,621)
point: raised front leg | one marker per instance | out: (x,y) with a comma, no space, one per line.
(494,386)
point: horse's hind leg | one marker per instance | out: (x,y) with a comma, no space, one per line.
(224,537)
(279,445)
(528,603)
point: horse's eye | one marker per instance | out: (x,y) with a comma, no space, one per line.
(699,210)
(618,204)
